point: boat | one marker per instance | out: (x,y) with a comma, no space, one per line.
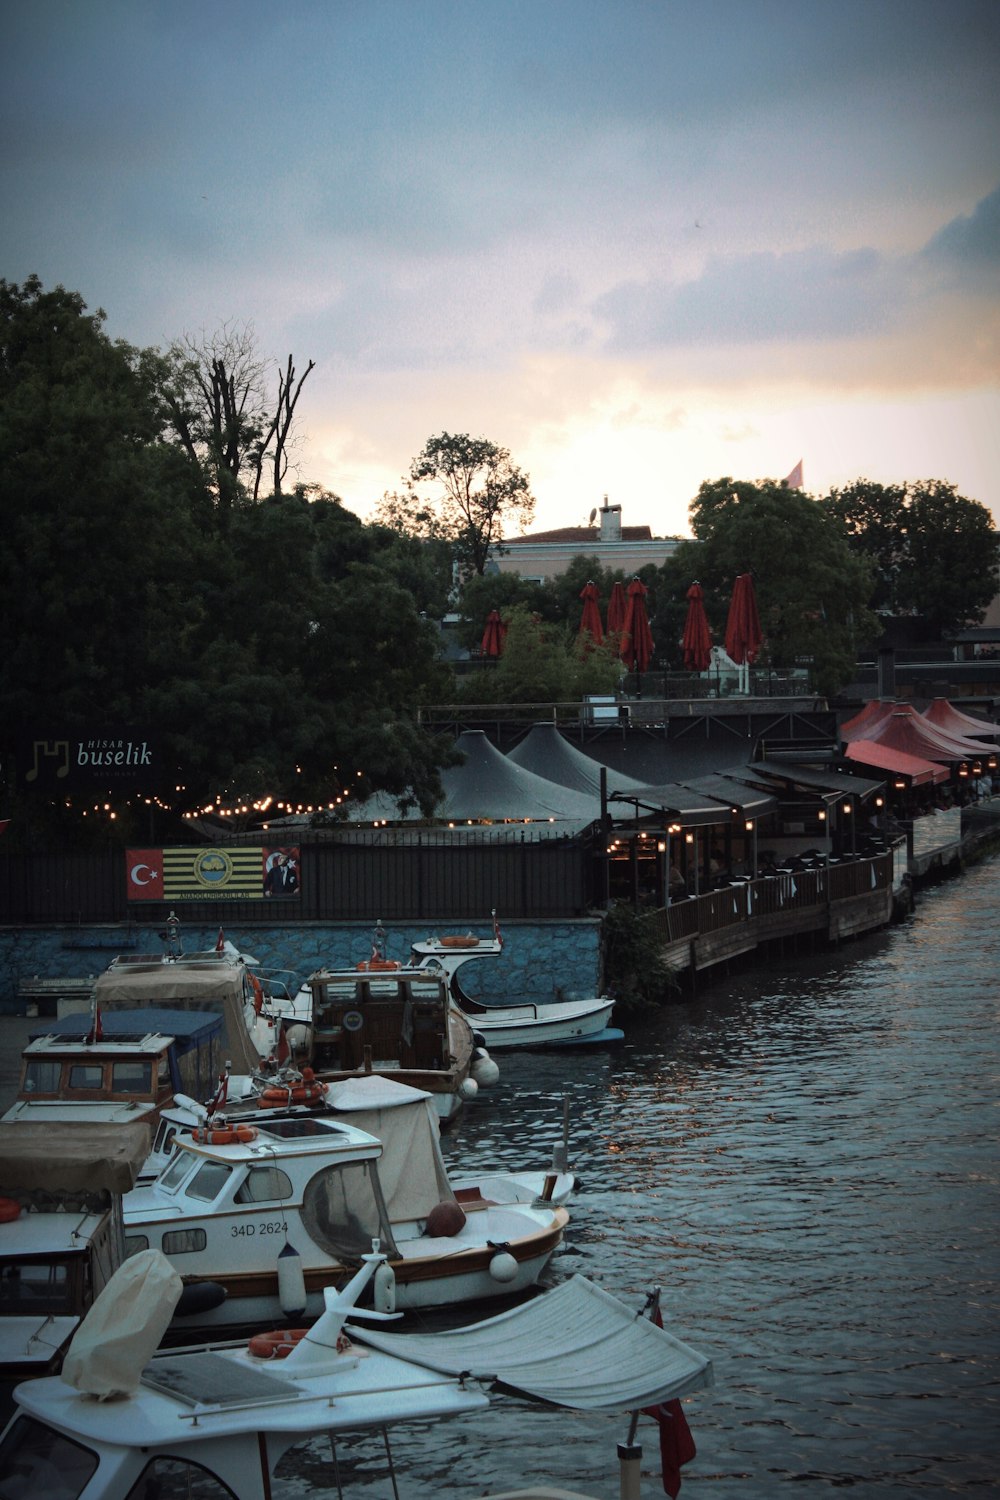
(278,1209)
(124,1420)
(263,1015)
(61,1233)
(123,1067)
(566,1022)
(382,1017)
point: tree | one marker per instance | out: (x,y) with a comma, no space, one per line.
(812,590)
(475,490)
(935,552)
(543,663)
(222,412)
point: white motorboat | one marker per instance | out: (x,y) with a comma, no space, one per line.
(124,1421)
(278,1209)
(550,1023)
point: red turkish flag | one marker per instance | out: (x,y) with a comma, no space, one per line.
(144,874)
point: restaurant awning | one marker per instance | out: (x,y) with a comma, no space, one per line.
(913,770)
(696,803)
(826,783)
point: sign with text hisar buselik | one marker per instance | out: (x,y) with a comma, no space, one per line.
(104,758)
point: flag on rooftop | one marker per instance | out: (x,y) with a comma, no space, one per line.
(794,479)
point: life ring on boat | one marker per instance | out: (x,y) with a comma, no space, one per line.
(306,1090)
(280,1343)
(379,965)
(454,941)
(224,1135)
(352,1020)
(10,1210)
(258,994)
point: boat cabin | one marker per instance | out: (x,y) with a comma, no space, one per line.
(393,1021)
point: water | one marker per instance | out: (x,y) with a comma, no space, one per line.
(805,1159)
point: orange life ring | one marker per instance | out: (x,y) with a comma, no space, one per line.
(379,965)
(10,1210)
(295,1093)
(280,1343)
(224,1135)
(459,942)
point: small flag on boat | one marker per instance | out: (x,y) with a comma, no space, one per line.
(96,1032)
(497,934)
(220,942)
(284,1051)
(676,1443)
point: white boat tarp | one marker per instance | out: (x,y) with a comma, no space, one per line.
(120,1333)
(222,988)
(575,1346)
(411,1168)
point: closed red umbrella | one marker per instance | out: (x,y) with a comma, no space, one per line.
(617,610)
(743,632)
(493,635)
(590,621)
(637,638)
(697,638)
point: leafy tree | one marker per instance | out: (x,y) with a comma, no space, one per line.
(873,517)
(949,573)
(474,489)
(542,663)
(812,590)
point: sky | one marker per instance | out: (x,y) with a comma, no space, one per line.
(639,244)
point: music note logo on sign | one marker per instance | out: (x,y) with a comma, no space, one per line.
(50,757)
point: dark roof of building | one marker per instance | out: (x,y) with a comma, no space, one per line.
(588,535)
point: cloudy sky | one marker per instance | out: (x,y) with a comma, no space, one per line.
(640,244)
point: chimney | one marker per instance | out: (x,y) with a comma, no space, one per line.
(611,522)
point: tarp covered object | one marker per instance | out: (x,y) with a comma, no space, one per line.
(223,989)
(576,1346)
(411,1168)
(546,752)
(120,1333)
(68,1157)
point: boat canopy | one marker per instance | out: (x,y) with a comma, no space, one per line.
(575,1346)
(222,988)
(77,1156)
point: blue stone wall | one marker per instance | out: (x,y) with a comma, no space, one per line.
(539,959)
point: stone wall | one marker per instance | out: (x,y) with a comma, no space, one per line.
(539,959)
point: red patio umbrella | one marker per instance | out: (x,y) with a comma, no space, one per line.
(617,610)
(743,632)
(637,638)
(697,638)
(493,635)
(590,621)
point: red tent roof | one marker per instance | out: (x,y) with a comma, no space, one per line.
(904,729)
(883,758)
(872,712)
(951,719)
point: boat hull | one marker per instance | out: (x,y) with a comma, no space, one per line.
(561,1023)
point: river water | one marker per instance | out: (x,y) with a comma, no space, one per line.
(805,1159)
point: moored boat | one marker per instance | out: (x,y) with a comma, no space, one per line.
(565,1021)
(218,1419)
(277,1210)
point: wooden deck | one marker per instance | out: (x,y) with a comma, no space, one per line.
(828,904)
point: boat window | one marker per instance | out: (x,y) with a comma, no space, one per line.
(132,1077)
(86,1076)
(41,1077)
(175,1173)
(165,1478)
(343,1210)
(134,1243)
(35,1288)
(264,1185)
(35,1460)
(208,1182)
(183,1241)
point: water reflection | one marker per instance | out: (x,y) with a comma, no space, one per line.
(805,1158)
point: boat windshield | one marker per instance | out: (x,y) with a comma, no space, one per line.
(29,1287)
(36,1460)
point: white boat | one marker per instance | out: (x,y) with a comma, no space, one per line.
(277,1210)
(122,1067)
(124,1421)
(61,1233)
(549,1023)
